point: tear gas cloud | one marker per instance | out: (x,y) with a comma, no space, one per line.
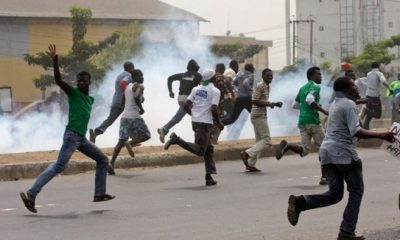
(41,131)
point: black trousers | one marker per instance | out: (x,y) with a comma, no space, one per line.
(202,145)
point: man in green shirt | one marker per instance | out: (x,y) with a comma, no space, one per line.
(80,106)
(307,100)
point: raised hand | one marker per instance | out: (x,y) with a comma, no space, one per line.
(52,51)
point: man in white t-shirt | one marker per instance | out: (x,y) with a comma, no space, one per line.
(375,79)
(132,124)
(202,105)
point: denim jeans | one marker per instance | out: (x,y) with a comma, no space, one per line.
(112,116)
(73,141)
(338,174)
(202,145)
(176,118)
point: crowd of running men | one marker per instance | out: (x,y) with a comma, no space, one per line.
(215,98)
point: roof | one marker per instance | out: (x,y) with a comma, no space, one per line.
(101,9)
(244,40)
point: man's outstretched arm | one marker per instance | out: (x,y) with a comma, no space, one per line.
(57,75)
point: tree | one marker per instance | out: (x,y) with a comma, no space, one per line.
(374,52)
(78,57)
(237,50)
(127,45)
(298,64)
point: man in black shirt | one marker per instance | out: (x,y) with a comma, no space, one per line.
(188,81)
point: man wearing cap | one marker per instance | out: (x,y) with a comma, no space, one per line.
(202,105)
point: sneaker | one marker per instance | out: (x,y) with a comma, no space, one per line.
(28,201)
(129,148)
(92,135)
(102,198)
(252,169)
(245,158)
(211,182)
(282,148)
(293,211)
(323,181)
(349,236)
(162,134)
(173,139)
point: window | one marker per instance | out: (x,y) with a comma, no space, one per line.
(390,24)
(321,28)
(322,54)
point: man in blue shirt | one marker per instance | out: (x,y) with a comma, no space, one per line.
(340,161)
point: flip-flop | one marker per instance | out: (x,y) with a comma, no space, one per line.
(102,198)
(29,204)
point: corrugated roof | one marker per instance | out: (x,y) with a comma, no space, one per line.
(101,9)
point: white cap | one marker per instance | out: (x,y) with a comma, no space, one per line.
(208,74)
(229,73)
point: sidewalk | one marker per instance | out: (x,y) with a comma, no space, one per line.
(29,165)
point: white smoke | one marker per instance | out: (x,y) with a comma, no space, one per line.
(158,60)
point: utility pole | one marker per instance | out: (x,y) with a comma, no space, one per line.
(294,22)
(287,26)
(311,40)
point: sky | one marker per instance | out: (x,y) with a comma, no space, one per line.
(263,19)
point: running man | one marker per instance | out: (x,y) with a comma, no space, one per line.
(202,105)
(259,120)
(80,106)
(131,125)
(309,123)
(340,161)
(188,81)
(117,107)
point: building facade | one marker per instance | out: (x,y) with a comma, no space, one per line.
(343,28)
(29,26)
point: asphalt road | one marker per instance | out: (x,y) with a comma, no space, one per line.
(173,203)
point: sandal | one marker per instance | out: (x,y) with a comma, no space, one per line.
(102,198)
(28,202)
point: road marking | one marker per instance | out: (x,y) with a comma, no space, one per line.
(189,205)
(51,204)
(8,209)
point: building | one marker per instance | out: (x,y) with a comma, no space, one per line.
(260,60)
(342,28)
(28,26)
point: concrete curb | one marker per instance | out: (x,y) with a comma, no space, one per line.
(168,158)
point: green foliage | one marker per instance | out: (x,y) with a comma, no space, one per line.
(127,45)
(326,67)
(237,51)
(79,57)
(374,52)
(298,64)
(80,20)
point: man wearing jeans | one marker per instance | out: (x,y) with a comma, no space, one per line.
(117,107)
(202,105)
(80,106)
(188,81)
(340,161)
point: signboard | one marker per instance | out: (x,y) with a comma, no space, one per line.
(393,148)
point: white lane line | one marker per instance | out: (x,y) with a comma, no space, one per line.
(51,204)
(290,179)
(8,209)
